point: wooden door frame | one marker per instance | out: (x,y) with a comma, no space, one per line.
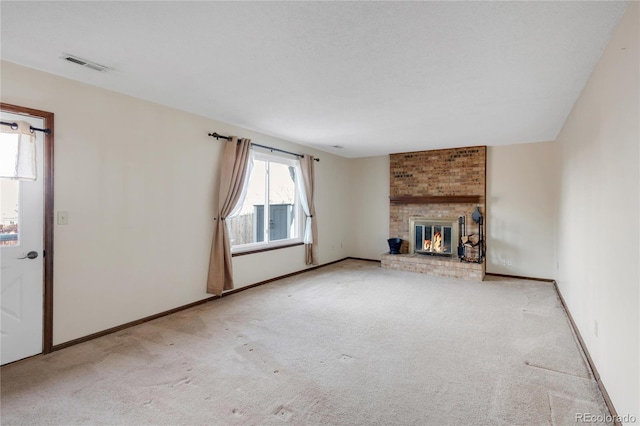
(47,308)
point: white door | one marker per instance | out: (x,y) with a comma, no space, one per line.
(21,275)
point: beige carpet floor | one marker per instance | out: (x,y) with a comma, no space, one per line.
(347,344)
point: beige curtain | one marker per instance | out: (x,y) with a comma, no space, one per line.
(235,170)
(18,159)
(311,229)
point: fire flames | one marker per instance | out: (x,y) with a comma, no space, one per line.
(436,245)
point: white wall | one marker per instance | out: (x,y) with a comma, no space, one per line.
(138,180)
(522,196)
(598,242)
(369,207)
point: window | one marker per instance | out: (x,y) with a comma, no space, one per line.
(9,212)
(270,214)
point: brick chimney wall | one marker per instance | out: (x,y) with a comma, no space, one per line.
(445,172)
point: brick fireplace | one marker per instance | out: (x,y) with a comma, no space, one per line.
(434,189)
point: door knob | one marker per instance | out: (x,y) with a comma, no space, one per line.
(30,255)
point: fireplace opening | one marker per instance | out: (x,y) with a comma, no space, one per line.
(434,240)
(433,237)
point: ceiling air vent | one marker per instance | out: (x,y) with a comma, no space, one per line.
(83,62)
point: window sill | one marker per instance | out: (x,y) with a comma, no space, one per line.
(260,250)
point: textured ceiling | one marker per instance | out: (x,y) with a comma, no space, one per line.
(374,77)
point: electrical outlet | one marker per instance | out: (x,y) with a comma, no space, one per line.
(63,218)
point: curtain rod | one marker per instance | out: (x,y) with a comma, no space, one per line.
(14,126)
(218,136)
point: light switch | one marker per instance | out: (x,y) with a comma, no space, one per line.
(63,218)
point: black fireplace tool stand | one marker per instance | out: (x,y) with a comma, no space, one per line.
(463,245)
